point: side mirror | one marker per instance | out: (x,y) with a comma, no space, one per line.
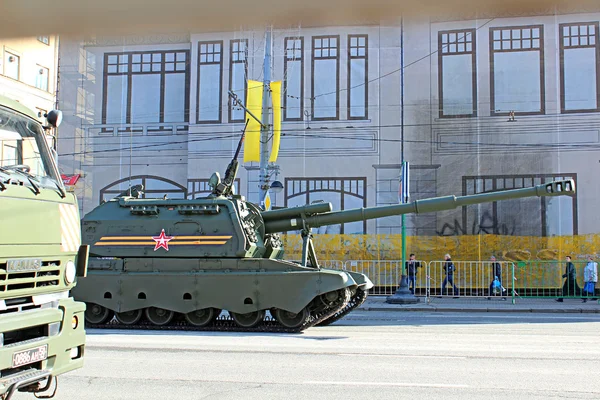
(54,118)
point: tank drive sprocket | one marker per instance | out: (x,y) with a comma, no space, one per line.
(356,301)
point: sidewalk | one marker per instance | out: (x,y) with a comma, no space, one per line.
(478,304)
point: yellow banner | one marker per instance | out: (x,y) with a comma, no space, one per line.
(276,95)
(254,105)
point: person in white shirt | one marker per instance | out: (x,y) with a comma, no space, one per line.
(590,277)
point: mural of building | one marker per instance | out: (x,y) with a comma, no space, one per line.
(477,104)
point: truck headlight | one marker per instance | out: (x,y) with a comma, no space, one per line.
(70,272)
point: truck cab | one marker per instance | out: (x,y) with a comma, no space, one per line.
(41,327)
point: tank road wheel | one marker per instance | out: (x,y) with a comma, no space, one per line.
(290,319)
(202,317)
(96,314)
(129,317)
(159,316)
(249,320)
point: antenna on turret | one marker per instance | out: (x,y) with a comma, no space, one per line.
(225,187)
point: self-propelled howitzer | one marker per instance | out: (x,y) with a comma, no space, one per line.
(165,262)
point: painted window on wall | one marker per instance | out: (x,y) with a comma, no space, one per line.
(517,70)
(457,73)
(342,193)
(358,56)
(544,216)
(154,187)
(210,76)
(197,188)
(146,87)
(238,73)
(293,69)
(325,77)
(579,71)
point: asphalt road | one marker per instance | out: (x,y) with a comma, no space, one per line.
(368,355)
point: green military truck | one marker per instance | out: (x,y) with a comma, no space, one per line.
(41,327)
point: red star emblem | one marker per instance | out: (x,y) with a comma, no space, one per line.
(162,241)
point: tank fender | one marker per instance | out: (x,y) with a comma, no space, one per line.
(362,280)
(239,292)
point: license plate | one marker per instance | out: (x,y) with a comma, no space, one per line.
(23,265)
(30,356)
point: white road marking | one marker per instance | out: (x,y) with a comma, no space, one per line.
(399,384)
(403,356)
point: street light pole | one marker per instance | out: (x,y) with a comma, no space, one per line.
(265,124)
(264,130)
(402,294)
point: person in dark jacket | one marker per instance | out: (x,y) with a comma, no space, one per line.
(496,274)
(449,269)
(412,266)
(570,287)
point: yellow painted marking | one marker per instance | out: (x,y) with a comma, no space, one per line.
(174,237)
(125,237)
(203,237)
(197,242)
(70,230)
(123,243)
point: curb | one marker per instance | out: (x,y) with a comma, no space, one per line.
(482,310)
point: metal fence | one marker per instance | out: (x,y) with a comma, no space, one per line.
(384,274)
(549,278)
(477,279)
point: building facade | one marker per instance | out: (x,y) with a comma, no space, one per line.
(475,105)
(28,72)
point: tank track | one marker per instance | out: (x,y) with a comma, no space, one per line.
(227,324)
(356,301)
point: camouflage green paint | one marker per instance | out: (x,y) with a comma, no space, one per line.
(39,238)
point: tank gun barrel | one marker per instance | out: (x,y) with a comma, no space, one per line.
(291,221)
(226,187)
(296,212)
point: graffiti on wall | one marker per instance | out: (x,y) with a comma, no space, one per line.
(486,225)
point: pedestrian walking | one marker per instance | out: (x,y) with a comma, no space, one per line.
(449,268)
(412,266)
(570,287)
(496,287)
(590,277)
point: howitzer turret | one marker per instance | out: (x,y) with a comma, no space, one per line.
(164,261)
